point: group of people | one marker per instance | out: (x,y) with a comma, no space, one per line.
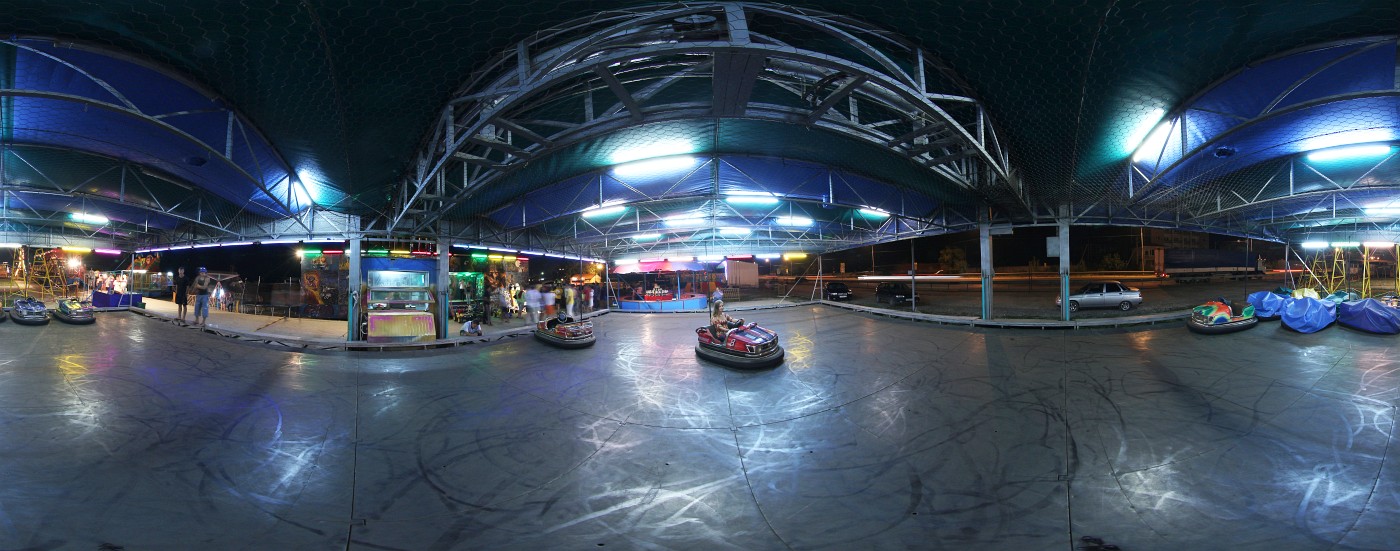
(544,301)
(202,286)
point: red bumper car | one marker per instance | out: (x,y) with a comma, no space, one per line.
(565,333)
(740,346)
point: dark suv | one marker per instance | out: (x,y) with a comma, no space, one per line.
(893,292)
(837,291)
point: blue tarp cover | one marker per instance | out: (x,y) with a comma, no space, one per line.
(1369,315)
(1267,304)
(1308,315)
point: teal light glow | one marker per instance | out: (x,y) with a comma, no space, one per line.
(655,167)
(754,200)
(1147,138)
(1349,152)
(599,212)
(1340,138)
(691,220)
(89,218)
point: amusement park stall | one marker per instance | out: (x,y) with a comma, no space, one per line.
(663,286)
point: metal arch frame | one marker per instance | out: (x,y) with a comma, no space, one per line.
(1137,194)
(1271,225)
(839,233)
(481,131)
(128,109)
(200,197)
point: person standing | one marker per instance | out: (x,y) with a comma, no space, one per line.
(570,301)
(548,297)
(182,294)
(203,284)
(532,304)
(506,303)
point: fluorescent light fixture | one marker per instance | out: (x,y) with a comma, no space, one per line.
(735,231)
(598,212)
(1347,137)
(1378,244)
(89,218)
(106,251)
(755,200)
(655,167)
(76,249)
(494,257)
(326,240)
(1349,152)
(794,256)
(156,250)
(664,148)
(206,245)
(10,245)
(874,212)
(1313,245)
(532,253)
(622,261)
(1341,244)
(799,221)
(400,252)
(498,249)
(768,256)
(686,220)
(281,241)
(238,244)
(1148,136)
(646,237)
(652,260)
(710,258)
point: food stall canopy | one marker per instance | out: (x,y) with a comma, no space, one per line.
(661,266)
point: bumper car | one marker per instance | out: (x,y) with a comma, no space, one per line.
(71,311)
(733,343)
(1369,315)
(1268,304)
(1217,317)
(564,332)
(1307,314)
(29,311)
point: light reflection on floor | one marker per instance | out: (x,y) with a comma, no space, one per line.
(875,433)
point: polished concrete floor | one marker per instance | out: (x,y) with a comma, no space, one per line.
(875,434)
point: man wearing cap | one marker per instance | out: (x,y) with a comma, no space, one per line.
(202,285)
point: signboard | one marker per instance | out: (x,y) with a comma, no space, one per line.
(1052,246)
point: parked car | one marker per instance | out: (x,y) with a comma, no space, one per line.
(893,292)
(1104,294)
(837,291)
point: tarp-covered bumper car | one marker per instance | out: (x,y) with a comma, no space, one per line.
(1369,315)
(29,311)
(565,333)
(1308,315)
(1217,317)
(71,311)
(1268,304)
